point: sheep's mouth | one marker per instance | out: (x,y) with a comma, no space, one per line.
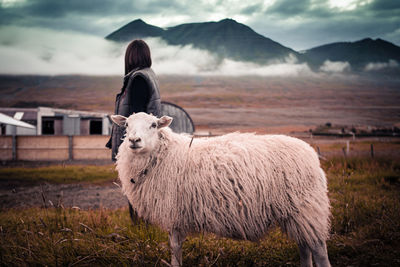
(135,147)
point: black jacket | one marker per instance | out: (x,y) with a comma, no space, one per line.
(140,93)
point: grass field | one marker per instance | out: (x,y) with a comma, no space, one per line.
(365,200)
(61,174)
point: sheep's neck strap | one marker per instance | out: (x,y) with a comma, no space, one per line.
(151,163)
(191,141)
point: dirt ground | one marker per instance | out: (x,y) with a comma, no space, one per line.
(16,195)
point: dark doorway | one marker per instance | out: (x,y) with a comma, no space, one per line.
(96,127)
(48,126)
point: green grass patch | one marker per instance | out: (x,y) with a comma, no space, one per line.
(365,230)
(60,174)
(71,237)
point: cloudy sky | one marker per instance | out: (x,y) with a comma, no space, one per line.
(298,24)
(67,37)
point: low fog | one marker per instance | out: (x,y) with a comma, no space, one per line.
(50,52)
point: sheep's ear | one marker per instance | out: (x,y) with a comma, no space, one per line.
(164,121)
(118,119)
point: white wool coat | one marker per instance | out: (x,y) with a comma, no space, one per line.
(236,185)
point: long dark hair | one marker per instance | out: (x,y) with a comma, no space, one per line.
(137,56)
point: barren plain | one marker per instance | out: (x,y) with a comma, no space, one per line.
(222,104)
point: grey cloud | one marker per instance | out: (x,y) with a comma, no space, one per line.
(90,16)
(297,24)
(314,33)
(249,10)
(320,9)
(288,7)
(57,9)
(385,5)
(51,8)
(318,24)
(7,17)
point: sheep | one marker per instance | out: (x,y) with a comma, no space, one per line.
(237,185)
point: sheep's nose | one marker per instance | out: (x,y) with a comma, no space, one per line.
(135,140)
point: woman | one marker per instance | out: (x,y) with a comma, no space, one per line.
(139,93)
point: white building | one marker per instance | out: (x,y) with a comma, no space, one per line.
(54,121)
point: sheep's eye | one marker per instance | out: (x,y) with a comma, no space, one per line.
(153,125)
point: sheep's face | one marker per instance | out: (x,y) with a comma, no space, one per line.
(141,130)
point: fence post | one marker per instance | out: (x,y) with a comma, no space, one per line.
(372,150)
(70,147)
(14,147)
(319,151)
(344,152)
(347,147)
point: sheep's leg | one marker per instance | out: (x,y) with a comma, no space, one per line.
(320,254)
(133,214)
(175,240)
(305,255)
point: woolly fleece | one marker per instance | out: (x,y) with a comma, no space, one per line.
(237,185)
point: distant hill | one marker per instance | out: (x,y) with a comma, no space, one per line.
(226,39)
(230,39)
(358,53)
(134,30)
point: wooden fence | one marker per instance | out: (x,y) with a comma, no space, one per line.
(60,148)
(57,148)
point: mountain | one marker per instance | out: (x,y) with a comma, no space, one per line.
(358,54)
(226,39)
(230,39)
(134,30)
